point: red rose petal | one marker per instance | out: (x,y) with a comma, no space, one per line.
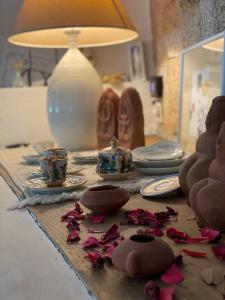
(219,251)
(72,215)
(166,293)
(152,231)
(172,275)
(96,259)
(78,208)
(71,225)
(194,253)
(91,242)
(171,211)
(212,234)
(96,218)
(111,234)
(73,236)
(152,290)
(182,237)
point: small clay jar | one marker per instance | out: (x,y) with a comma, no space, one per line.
(196,167)
(142,255)
(105,199)
(207,197)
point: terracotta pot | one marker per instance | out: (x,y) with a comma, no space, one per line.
(207,197)
(105,199)
(142,255)
(196,167)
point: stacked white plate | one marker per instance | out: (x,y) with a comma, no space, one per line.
(85,157)
(159,159)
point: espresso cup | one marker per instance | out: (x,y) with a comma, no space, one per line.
(55,152)
(54,170)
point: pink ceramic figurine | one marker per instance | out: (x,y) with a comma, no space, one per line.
(207,197)
(196,166)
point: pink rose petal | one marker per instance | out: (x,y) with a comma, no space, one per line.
(96,218)
(96,259)
(73,236)
(111,234)
(194,253)
(219,251)
(171,211)
(212,234)
(72,215)
(166,293)
(152,290)
(182,237)
(172,275)
(91,242)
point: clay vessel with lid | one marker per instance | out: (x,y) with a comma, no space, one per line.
(196,167)
(142,255)
(207,197)
(105,199)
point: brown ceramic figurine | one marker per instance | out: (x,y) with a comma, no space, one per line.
(142,255)
(107,118)
(207,197)
(196,166)
(130,120)
(105,199)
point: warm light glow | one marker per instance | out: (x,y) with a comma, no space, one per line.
(216,45)
(88,37)
(42,23)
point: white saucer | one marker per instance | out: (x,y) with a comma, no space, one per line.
(37,185)
(158,171)
(90,156)
(161,187)
(31,158)
(159,163)
(164,150)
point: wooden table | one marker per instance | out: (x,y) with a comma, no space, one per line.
(110,284)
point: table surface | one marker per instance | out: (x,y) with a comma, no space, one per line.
(109,283)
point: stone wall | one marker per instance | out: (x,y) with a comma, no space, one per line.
(177,24)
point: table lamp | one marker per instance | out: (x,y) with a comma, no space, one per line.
(74,87)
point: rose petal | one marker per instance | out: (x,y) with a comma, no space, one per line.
(172,275)
(73,224)
(72,215)
(96,259)
(182,237)
(194,253)
(96,218)
(171,211)
(152,231)
(91,242)
(73,236)
(166,293)
(78,208)
(152,290)
(111,234)
(219,251)
(212,234)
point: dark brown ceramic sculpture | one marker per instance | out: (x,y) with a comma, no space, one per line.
(207,197)
(105,199)
(107,114)
(142,255)
(196,167)
(130,120)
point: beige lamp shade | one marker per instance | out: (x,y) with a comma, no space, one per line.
(42,23)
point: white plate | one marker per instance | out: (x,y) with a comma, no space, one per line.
(159,163)
(37,185)
(158,171)
(160,187)
(31,158)
(88,157)
(165,150)
(71,170)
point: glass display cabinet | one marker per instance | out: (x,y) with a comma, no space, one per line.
(202,79)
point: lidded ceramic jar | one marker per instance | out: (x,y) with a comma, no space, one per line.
(115,160)
(142,255)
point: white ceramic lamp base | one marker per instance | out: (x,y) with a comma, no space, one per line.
(73,94)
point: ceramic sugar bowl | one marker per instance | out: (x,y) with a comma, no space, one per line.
(114,162)
(142,255)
